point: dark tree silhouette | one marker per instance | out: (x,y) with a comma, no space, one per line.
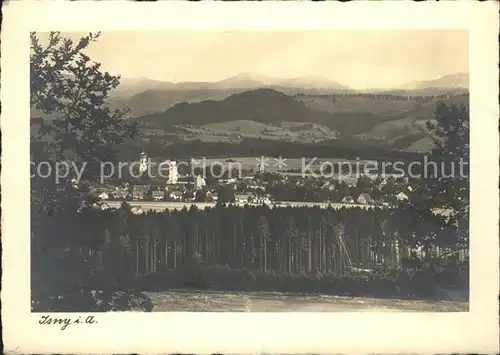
(225,194)
(447,187)
(70,92)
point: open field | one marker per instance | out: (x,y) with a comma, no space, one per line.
(287,163)
(236,131)
(391,106)
(207,301)
(291,131)
(167,205)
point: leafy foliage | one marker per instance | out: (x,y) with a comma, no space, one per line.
(66,84)
(82,130)
(446,185)
(450,185)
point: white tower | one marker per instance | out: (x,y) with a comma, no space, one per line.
(143,163)
(199,182)
(173,173)
(261,166)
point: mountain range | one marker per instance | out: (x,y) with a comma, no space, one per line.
(451,81)
(145,96)
(305,108)
(132,86)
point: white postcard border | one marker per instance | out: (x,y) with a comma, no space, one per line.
(475,331)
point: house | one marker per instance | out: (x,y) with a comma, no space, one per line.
(175,195)
(103,196)
(365,199)
(257,188)
(212,196)
(348,199)
(158,195)
(228,181)
(263,200)
(120,194)
(138,192)
(74,184)
(413,187)
(402,196)
(117,192)
(242,198)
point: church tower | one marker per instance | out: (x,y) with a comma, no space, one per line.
(173,173)
(143,163)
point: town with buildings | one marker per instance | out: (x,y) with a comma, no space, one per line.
(177,190)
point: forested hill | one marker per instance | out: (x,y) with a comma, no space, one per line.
(265,106)
(260,105)
(392,122)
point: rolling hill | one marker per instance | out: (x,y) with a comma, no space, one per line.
(259,105)
(144,96)
(406,133)
(266,106)
(368,116)
(157,100)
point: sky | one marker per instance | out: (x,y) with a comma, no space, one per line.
(359,59)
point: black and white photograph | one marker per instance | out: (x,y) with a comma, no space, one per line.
(175,185)
(273,171)
(263,184)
